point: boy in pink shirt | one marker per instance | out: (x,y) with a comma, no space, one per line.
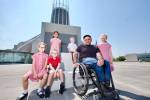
(106,50)
(38,72)
(55,42)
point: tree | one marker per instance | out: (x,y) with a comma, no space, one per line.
(120,58)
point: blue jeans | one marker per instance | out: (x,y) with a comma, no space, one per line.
(103,72)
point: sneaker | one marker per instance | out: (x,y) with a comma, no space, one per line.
(62,88)
(47,92)
(22,96)
(40,93)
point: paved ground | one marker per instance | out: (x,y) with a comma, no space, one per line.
(132,79)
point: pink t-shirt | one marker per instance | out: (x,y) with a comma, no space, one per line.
(106,51)
(55,43)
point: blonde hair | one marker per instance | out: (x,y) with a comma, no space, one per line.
(41,43)
(104,34)
(53,50)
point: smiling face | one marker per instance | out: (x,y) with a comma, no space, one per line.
(54,53)
(56,34)
(41,48)
(72,40)
(103,38)
(87,40)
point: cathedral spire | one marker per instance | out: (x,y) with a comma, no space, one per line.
(60,12)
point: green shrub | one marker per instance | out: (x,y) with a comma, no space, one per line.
(120,58)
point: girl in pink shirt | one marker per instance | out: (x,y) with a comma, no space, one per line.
(55,42)
(106,50)
(37,73)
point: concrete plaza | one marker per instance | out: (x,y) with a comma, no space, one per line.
(132,79)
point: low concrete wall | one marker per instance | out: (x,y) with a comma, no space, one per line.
(67,61)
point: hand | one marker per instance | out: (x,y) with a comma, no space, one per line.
(100,62)
(35,75)
(48,67)
(56,70)
(76,65)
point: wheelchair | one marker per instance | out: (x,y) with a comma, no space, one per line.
(83,75)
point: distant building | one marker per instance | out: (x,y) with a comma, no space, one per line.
(9,56)
(138,57)
(59,22)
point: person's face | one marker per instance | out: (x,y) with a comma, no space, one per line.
(41,48)
(103,38)
(87,40)
(55,35)
(72,40)
(54,54)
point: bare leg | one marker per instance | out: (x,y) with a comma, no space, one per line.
(50,79)
(25,87)
(61,76)
(58,75)
(62,85)
(43,81)
(49,84)
(25,82)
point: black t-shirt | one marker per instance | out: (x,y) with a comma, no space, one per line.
(87,51)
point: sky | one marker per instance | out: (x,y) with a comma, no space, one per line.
(126,22)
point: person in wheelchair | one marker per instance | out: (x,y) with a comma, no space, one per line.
(90,55)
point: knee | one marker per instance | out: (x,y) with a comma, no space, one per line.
(45,76)
(58,74)
(25,78)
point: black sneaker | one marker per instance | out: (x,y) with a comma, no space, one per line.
(40,93)
(23,96)
(62,88)
(47,92)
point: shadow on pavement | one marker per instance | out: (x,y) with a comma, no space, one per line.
(67,95)
(133,96)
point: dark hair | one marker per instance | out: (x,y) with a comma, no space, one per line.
(55,32)
(87,36)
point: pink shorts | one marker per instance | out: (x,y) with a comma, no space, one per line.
(29,74)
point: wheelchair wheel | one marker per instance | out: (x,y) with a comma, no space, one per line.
(94,77)
(80,79)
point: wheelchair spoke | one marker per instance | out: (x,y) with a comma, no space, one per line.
(80,80)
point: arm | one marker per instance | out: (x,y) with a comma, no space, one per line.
(33,68)
(100,58)
(75,56)
(45,65)
(51,67)
(58,67)
(111,56)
